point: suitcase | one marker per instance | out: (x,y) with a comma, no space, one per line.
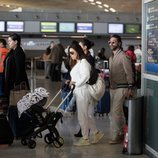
(103,106)
(6,134)
(65,89)
(18,125)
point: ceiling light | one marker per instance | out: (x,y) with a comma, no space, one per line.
(19,9)
(105,5)
(106,10)
(138,37)
(100,6)
(85,1)
(98,2)
(8,6)
(92,3)
(112,10)
(91,0)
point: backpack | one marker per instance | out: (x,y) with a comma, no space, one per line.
(93,76)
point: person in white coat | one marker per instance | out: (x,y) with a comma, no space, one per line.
(80,74)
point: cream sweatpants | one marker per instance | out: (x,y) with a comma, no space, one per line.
(85,108)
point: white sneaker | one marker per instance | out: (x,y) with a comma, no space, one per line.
(97,137)
(82,142)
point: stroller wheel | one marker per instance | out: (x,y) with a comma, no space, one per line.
(58,142)
(31,144)
(23,141)
(48,139)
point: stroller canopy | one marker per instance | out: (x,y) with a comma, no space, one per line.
(31,98)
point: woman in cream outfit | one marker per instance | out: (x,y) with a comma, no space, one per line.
(80,74)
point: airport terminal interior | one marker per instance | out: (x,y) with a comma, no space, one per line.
(67,129)
(62,21)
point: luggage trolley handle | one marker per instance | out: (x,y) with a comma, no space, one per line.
(53,99)
(72,89)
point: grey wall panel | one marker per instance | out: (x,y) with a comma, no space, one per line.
(100,28)
(32,26)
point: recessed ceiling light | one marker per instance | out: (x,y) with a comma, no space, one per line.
(105,5)
(92,3)
(106,10)
(8,5)
(112,10)
(98,2)
(85,1)
(100,6)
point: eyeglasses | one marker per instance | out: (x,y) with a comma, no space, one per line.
(109,42)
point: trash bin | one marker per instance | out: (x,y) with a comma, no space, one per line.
(135,125)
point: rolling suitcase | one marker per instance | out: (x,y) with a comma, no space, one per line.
(64,92)
(103,106)
(6,134)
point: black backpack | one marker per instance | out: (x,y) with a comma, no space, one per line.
(6,134)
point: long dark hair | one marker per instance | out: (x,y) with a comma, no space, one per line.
(3,41)
(88,43)
(75,45)
(16,37)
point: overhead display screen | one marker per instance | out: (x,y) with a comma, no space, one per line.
(48,27)
(132,28)
(115,28)
(2,26)
(84,27)
(66,27)
(15,26)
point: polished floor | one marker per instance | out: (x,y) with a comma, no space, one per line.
(67,130)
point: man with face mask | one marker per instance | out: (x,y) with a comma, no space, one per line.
(121,86)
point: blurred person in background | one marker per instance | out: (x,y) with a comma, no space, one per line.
(57,55)
(47,60)
(3,53)
(86,45)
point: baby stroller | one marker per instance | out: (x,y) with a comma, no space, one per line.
(39,120)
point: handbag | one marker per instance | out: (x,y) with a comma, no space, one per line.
(17,93)
(97,90)
(63,67)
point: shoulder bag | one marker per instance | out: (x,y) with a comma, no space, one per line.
(17,93)
(97,90)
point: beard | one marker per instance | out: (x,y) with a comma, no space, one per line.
(113,48)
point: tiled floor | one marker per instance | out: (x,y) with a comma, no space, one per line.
(67,130)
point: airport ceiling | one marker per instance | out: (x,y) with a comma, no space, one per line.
(120,6)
